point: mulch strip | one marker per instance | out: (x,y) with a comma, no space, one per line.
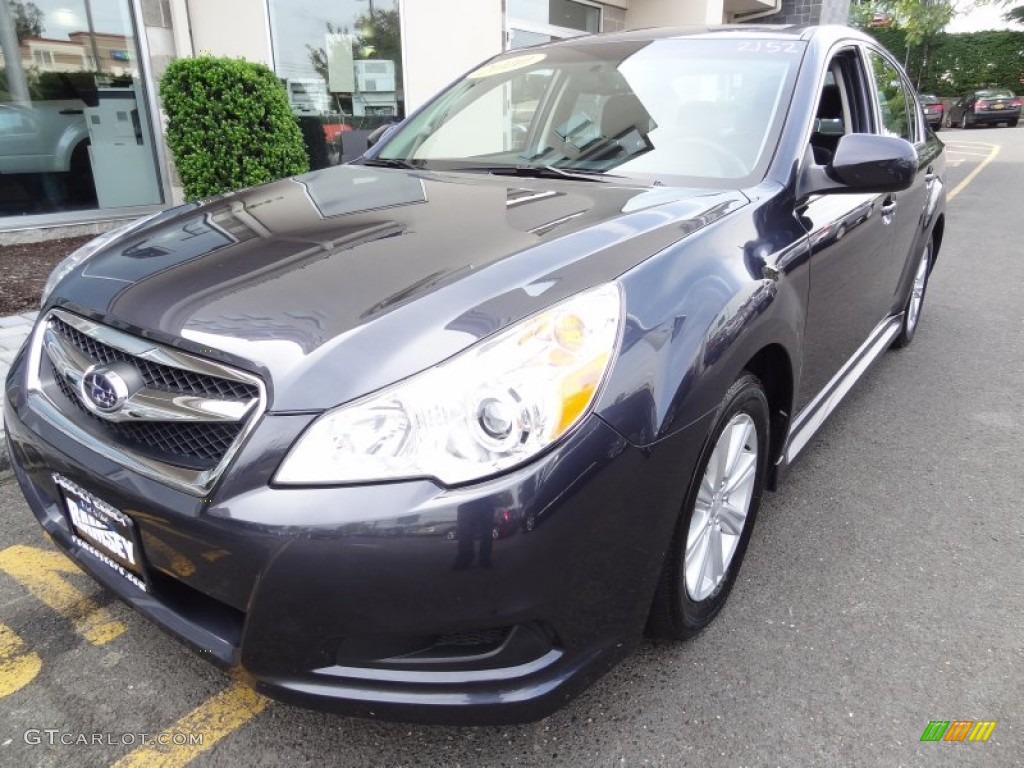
(24,269)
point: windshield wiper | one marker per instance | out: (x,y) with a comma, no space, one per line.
(542,172)
(389,162)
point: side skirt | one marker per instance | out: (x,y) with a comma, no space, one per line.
(810,419)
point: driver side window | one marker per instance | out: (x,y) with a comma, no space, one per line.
(841,108)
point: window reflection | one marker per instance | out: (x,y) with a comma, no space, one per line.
(341,64)
(75,133)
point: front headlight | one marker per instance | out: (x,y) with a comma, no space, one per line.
(489,408)
(80,255)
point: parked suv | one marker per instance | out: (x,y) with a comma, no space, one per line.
(989,106)
(933,110)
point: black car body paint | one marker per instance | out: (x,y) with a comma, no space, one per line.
(332,285)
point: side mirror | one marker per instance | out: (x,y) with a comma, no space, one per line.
(379,133)
(870,163)
(863,162)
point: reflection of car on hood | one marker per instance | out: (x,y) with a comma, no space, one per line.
(506,522)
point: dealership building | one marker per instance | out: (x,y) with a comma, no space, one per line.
(81,142)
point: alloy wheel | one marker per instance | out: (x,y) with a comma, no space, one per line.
(722,506)
(917,291)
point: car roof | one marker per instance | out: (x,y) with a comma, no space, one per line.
(720,31)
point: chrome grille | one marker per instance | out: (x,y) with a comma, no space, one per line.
(157,376)
(203,443)
(181,417)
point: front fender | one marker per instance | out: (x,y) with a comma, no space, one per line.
(697,314)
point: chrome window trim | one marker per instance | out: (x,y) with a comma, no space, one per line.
(193,482)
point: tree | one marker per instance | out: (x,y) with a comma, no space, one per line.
(28,19)
(378,36)
(1015,14)
(919,21)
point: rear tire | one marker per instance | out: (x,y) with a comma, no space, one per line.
(915,302)
(1012,124)
(80,182)
(963,122)
(715,530)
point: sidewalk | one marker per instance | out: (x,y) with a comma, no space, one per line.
(13,332)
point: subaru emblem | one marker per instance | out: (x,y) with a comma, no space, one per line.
(104,390)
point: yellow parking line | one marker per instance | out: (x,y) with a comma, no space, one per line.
(42,573)
(969,144)
(18,665)
(214,719)
(971,176)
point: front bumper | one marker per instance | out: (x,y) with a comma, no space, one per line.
(348,598)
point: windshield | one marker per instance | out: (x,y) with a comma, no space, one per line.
(707,110)
(995,93)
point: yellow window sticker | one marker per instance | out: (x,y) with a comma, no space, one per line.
(502,66)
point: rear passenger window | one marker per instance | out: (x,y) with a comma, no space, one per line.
(895,102)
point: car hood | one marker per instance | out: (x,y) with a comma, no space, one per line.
(338,282)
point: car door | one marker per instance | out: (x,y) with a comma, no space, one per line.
(899,114)
(956,112)
(850,236)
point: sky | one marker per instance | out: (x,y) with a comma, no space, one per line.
(979,19)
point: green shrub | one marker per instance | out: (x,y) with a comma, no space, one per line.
(229,125)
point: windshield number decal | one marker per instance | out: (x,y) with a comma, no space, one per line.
(767,46)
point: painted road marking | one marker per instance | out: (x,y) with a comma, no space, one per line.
(973,174)
(43,574)
(215,718)
(18,665)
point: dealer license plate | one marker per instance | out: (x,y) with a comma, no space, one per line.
(106,533)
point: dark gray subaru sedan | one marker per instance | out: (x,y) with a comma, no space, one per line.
(437,435)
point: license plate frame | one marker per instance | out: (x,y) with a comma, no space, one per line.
(106,533)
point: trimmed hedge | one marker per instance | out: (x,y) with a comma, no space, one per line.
(952,65)
(229,125)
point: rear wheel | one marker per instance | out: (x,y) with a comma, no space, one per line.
(915,302)
(1012,124)
(718,516)
(963,121)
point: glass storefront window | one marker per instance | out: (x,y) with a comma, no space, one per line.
(531,22)
(75,132)
(341,63)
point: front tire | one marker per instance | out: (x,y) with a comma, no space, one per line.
(915,302)
(718,516)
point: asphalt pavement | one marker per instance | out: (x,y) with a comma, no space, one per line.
(883,588)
